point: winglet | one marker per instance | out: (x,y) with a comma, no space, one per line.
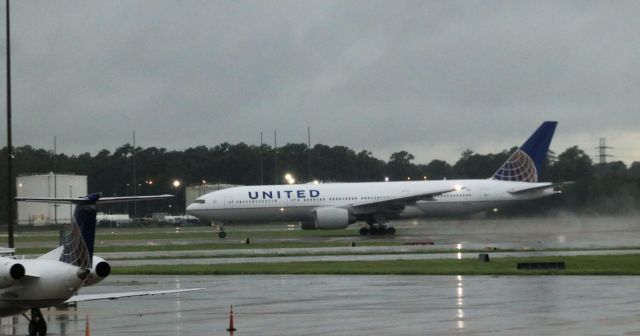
(527,162)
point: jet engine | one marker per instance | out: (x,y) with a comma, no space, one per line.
(100,270)
(10,272)
(329,218)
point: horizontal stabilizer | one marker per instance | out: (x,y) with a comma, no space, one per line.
(114,296)
(101,200)
(105,200)
(539,187)
(78,244)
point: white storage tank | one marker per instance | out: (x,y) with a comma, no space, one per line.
(48,185)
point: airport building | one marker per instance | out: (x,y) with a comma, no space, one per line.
(48,185)
(195,191)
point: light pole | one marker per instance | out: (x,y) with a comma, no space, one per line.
(176,184)
(149,184)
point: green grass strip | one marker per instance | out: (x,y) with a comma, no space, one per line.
(189,233)
(580,265)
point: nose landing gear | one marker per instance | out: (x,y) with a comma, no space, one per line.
(37,323)
(221,233)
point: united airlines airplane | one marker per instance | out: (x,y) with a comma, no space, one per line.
(337,205)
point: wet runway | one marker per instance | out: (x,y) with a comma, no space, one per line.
(360,305)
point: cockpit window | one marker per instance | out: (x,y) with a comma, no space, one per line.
(201,201)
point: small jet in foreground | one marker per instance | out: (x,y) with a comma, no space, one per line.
(55,277)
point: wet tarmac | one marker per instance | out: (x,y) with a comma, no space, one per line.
(379,305)
(561,231)
(525,237)
(358,305)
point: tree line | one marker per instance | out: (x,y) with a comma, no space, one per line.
(609,188)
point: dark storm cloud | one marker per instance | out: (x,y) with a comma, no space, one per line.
(433,78)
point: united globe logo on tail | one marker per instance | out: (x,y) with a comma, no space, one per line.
(527,162)
(519,167)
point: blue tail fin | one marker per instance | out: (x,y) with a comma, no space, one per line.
(527,162)
(79,243)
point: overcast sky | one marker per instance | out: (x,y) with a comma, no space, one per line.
(430,77)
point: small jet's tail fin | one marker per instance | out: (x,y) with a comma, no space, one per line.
(527,162)
(79,242)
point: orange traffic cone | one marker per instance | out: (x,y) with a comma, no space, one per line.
(231,328)
(87,330)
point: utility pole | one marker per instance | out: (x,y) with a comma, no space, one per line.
(55,184)
(261,163)
(275,156)
(135,184)
(309,153)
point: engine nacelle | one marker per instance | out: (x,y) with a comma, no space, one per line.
(10,272)
(329,218)
(100,270)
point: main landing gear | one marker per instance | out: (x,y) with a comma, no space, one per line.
(377,230)
(37,324)
(377,226)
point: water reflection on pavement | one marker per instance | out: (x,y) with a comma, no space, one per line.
(357,305)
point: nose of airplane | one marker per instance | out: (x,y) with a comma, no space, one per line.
(191,207)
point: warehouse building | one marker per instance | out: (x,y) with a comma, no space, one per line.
(48,185)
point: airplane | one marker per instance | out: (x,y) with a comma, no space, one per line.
(337,205)
(55,277)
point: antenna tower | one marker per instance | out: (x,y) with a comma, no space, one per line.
(602,151)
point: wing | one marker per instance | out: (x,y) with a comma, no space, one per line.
(398,203)
(114,296)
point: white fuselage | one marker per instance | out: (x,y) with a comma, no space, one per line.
(273,203)
(52,283)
